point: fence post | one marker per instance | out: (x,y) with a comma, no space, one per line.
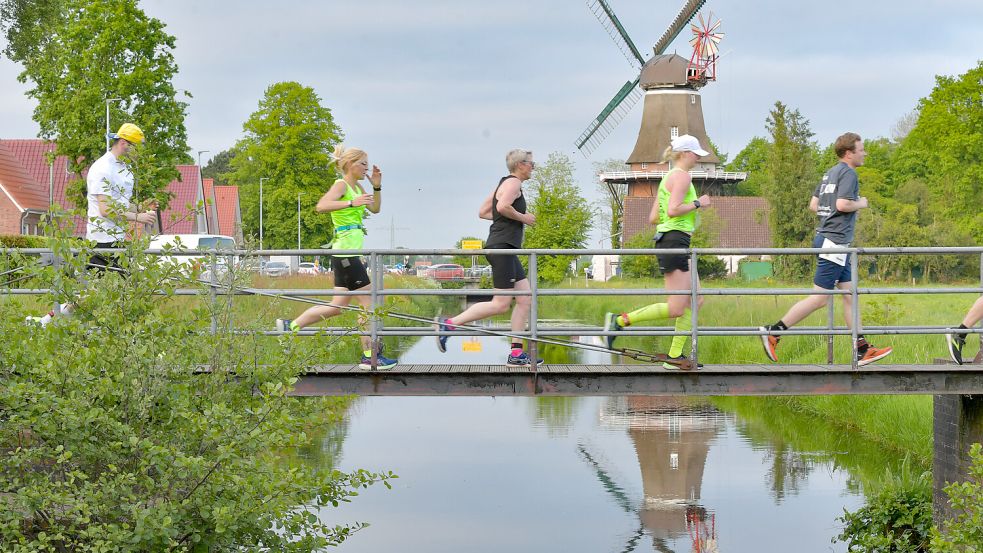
(213,277)
(830,323)
(533,311)
(979,355)
(373,328)
(56,263)
(693,289)
(855,302)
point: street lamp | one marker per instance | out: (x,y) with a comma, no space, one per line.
(107,118)
(261,211)
(298,220)
(201,185)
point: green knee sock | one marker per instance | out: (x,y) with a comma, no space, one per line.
(654,312)
(683,323)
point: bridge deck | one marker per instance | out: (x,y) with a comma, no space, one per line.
(585,380)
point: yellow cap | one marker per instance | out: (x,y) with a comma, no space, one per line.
(130,133)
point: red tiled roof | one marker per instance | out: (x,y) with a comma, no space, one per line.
(743,220)
(180,217)
(227,207)
(25,191)
(32,155)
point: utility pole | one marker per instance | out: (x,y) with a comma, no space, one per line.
(392,235)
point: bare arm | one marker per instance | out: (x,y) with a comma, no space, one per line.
(131,214)
(678,187)
(849,206)
(376,180)
(507,193)
(814,205)
(485,211)
(331,200)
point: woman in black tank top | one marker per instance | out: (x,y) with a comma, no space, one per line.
(506,208)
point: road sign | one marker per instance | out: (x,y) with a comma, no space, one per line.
(470,244)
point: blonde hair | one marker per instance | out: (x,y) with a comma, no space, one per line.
(344,157)
(515,157)
(670,156)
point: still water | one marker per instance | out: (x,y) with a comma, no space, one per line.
(591,474)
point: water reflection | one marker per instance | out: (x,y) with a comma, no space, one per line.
(671,437)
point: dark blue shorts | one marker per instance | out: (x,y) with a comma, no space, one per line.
(827,272)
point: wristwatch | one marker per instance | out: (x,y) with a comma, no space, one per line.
(377,189)
(350,203)
(697,203)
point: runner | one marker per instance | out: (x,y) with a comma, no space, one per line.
(505,207)
(955,340)
(109,192)
(836,201)
(676,213)
(347,201)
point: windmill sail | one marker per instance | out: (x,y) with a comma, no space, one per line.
(610,116)
(613,26)
(678,24)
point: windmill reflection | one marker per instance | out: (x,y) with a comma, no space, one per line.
(672,438)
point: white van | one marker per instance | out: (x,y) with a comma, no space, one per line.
(194,242)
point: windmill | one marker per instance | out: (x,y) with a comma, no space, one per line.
(670,85)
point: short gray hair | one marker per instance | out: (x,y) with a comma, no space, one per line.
(515,157)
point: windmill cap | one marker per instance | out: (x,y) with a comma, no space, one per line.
(688,143)
(128,132)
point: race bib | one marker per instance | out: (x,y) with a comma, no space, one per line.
(838,258)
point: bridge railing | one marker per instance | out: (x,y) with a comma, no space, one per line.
(378,292)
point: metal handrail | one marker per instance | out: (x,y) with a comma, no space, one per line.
(378,291)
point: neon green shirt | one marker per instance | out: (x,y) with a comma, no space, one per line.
(350,239)
(686,223)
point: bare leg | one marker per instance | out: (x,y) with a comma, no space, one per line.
(805,307)
(483,310)
(847,305)
(318,313)
(520,315)
(366,303)
(975,314)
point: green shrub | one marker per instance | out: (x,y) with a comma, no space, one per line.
(964,533)
(22,241)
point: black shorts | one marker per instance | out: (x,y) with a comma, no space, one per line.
(349,272)
(506,269)
(102,262)
(674,239)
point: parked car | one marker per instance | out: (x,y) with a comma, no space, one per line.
(276,269)
(446,271)
(200,242)
(308,268)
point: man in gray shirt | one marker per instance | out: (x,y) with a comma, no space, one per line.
(836,201)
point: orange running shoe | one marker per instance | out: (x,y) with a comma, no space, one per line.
(873,354)
(770,343)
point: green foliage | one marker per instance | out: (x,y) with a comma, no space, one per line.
(27,24)
(22,241)
(640,266)
(218,167)
(964,532)
(897,518)
(790,179)
(614,194)
(288,141)
(465,260)
(563,216)
(96,50)
(753,159)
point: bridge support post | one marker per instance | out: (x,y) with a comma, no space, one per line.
(958,424)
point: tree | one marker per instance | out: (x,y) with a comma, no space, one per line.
(752,160)
(615,194)
(91,52)
(945,148)
(27,23)
(217,167)
(288,142)
(791,177)
(563,216)
(465,260)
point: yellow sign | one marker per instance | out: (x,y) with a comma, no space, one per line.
(470,244)
(471,346)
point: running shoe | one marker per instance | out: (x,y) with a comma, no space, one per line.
(283,325)
(381,362)
(955,342)
(672,367)
(440,325)
(521,360)
(34,321)
(611,325)
(872,354)
(770,343)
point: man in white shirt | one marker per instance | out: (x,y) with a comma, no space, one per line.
(109,192)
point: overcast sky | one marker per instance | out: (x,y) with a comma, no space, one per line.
(438,91)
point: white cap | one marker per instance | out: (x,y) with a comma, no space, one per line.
(688,143)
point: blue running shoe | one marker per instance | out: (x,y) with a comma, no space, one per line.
(440,325)
(381,362)
(611,325)
(521,360)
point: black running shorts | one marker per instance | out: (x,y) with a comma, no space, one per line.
(674,239)
(102,262)
(349,272)
(506,269)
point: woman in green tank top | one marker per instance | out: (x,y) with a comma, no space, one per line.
(675,211)
(347,201)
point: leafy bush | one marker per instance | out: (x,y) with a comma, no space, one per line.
(22,241)
(129,427)
(964,533)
